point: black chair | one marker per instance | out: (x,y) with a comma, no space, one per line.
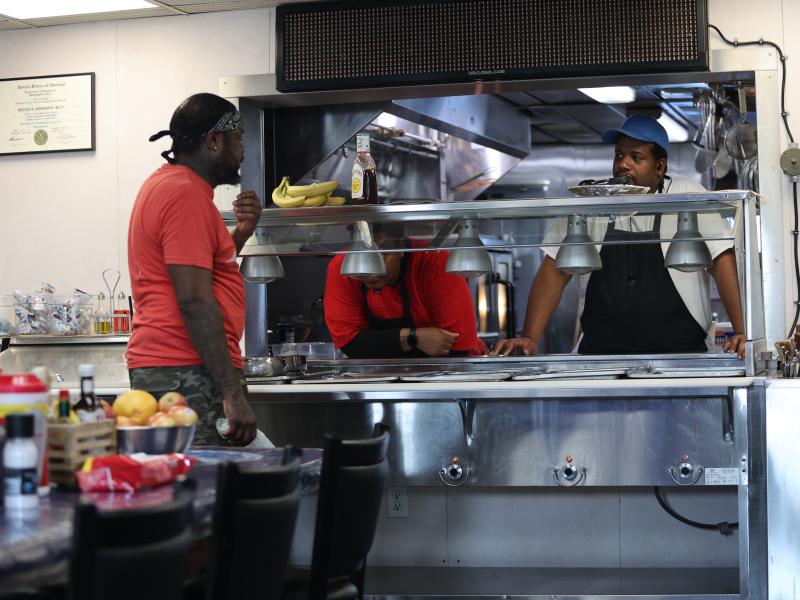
(254,521)
(350,494)
(132,554)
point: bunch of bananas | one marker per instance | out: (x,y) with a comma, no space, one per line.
(315,194)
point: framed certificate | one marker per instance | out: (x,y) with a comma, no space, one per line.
(53,113)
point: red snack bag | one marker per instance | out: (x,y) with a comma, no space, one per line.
(128,473)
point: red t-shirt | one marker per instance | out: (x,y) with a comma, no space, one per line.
(174,222)
(436,298)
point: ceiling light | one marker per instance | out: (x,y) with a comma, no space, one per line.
(359,264)
(675,131)
(611,95)
(262,269)
(39,9)
(578,255)
(687,253)
(468,258)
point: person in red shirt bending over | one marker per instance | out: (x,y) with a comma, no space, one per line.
(415,310)
(190,299)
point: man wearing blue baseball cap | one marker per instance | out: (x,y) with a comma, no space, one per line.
(634,304)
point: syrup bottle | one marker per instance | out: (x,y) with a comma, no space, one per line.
(365,176)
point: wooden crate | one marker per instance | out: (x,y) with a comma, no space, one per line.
(69,445)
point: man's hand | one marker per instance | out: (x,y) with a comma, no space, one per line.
(524,345)
(736,344)
(241,420)
(247,208)
(434,341)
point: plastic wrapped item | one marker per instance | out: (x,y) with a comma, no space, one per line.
(131,472)
(261,440)
(31,312)
(7,319)
(71,315)
(42,312)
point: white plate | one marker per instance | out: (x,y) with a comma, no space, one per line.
(582,374)
(613,189)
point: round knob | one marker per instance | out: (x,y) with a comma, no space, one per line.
(569,472)
(454,472)
(685,470)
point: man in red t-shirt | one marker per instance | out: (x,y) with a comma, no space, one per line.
(415,310)
(190,299)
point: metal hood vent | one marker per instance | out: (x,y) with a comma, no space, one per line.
(353,44)
(445,149)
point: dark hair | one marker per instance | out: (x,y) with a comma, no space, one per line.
(191,121)
(391,232)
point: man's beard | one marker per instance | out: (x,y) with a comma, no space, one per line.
(226,172)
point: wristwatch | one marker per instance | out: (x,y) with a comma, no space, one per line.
(411,338)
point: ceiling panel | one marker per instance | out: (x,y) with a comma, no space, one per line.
(168,8)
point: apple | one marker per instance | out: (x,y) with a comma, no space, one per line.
(108,410)
(171,399)
(126,422)
(183,415)
(135,404)
(154,417)
(163,420)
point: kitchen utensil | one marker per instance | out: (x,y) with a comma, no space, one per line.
(154,440)
(741,142)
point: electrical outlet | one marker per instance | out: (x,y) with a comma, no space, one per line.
(396,502)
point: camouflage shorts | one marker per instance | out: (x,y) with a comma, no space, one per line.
(194,382)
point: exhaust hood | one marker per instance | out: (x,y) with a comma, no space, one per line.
(428,149)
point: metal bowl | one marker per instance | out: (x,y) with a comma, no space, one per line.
(155,440)
(264,366)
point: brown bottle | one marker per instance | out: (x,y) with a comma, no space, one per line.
(365,177)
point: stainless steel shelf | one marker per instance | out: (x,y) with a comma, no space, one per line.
(59,340)
(499,209)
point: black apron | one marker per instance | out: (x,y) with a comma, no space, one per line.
(632,306)
(400,322)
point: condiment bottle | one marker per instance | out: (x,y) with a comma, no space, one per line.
(64,406)
(87,408)
(122,316)
(365,178)
(20,458)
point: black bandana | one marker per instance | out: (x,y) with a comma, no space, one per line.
(230,121)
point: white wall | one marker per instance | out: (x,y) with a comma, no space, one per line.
(64,217)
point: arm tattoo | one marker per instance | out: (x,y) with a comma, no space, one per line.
(204,323)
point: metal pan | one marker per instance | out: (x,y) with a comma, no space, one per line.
(641,373)
(579,374)
(273,380)
(347,379)
(446,376)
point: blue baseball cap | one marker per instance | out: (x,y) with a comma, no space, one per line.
(640,127)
